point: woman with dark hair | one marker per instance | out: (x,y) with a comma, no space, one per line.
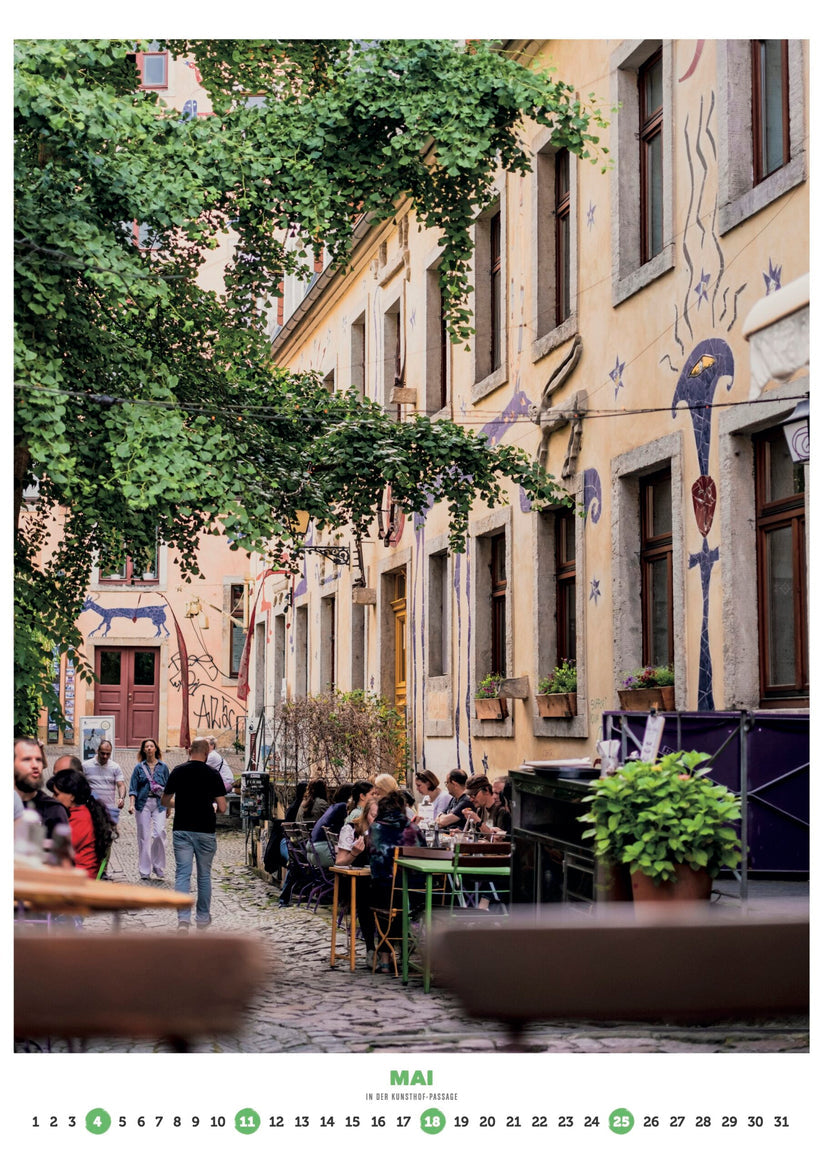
(427,785)
(91,826)
(148,780)
(390,828)
(299,794)
(315,803)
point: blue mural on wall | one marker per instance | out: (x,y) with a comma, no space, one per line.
(705,366)
(592,495)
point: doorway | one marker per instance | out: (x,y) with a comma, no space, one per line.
(129,690)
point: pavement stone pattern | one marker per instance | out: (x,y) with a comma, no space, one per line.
(309,1006)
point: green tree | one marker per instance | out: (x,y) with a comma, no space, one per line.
(149,407)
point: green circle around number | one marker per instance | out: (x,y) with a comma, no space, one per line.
(246,1121)
(98,1121)
(432,1121)
(621,1121)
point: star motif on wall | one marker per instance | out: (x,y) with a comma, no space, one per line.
(616,375)
(594,593)
(413,318)
(590,215)
(701,287)
(772,277)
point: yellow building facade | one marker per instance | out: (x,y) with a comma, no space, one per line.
(609,311)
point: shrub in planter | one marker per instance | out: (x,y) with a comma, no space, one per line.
(489,704)
(557,692)
(647,686)
(656,816)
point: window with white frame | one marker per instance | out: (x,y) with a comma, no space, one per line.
(153,67)
(642,182)
(761,125)
(357,355)
(301,650)
(493,613)
(392,356)
(438,608)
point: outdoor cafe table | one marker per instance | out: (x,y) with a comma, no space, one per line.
(64,892)
(431,869)
(353,872)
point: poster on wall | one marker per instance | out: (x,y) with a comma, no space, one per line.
(93,731)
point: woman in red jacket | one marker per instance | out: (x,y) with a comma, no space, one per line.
(91,827)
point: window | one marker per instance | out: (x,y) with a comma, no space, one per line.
(438,615)
(656,569)
(642,179)
(237,625)
(562,241)
(301,651)
(438,346)
(761,147)
(154,68)
(133,570)
(357,356)
(650,84)
(328,643)
(495,293)
(392,369)
(770,106)
(279,658)
(498,603)
(358,647)
(781,571)
(489,301)
(566,583)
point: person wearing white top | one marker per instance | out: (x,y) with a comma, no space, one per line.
(106,779)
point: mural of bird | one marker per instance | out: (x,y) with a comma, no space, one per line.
(704,367)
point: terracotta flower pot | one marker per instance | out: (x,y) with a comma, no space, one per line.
(493,708)
(644,699)
(557,704)
(690,886)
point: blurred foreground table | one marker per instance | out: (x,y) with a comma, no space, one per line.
(140,986)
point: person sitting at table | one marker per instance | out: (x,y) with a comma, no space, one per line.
(480,791)
(352,842)
(385,783)
(501,811)
(91,826)
(454,816)
(315,803)
(333,819)
(391,828)
(361,793)
(427,785)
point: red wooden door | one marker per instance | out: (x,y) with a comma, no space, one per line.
(129,690)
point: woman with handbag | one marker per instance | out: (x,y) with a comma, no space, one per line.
(148,780)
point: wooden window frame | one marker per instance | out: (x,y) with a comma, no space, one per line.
(497,601)
(787,512)
(128,578)
(562,235)
(651,127)
(758,110)
(565,585)
(653,549)
(495,290)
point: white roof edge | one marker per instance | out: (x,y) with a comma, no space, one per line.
(771,308)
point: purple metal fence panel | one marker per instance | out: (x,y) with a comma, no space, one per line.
(773,747)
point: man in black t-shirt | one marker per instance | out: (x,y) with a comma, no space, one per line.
(194,789)
(454,818)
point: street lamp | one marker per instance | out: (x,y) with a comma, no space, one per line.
(337,554)
(796,428)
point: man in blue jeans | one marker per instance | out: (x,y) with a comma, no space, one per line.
(193,790)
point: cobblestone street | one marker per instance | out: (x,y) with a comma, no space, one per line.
(309,1006)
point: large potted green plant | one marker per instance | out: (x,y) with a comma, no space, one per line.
(668,821)
(647,688)
(488,703)
(557,692)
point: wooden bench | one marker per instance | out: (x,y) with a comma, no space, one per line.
(689,965)
(167,986)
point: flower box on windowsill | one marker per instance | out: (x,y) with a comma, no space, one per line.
(491,708)
(645,699)
(557,705)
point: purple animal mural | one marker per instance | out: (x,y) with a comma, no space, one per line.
(156,614)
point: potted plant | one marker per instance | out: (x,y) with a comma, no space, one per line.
(488,703)
(557,692)
(668,822)
(648,688)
